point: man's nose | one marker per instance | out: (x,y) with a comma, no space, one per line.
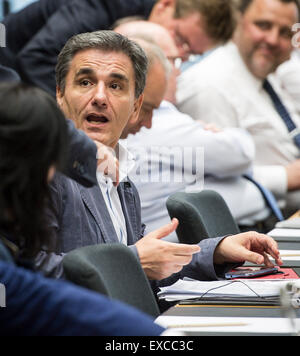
(272,37)
(100,95)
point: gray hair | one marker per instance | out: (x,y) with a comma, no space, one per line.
(105,41)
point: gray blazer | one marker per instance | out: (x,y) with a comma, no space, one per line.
(80,218)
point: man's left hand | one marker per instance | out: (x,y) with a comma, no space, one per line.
(250,246)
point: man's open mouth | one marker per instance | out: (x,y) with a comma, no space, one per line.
(97,119)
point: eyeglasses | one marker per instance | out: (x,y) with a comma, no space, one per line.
(181,40)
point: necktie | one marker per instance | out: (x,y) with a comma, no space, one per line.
(282,111)
(269,198)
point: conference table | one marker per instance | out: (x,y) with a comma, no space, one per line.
(223,320)
(232,320)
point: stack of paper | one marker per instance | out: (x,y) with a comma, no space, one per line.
(191,289)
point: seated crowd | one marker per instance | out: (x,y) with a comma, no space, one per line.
(96,164)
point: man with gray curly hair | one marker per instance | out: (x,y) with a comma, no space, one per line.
(100,80)
(122,65)
(100,95)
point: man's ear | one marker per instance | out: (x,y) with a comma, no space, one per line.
(59,97)
(137,108)
(162,10)
(165,4)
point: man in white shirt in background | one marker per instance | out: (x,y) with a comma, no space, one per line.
(227,89)
(176,137)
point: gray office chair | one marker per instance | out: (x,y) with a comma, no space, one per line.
(112,270)
(201,215)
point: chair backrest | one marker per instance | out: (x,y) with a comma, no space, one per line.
(112,270)
(201,215)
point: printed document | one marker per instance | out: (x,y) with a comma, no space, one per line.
(188,289)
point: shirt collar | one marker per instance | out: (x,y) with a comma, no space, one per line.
(258,83)
(165,105)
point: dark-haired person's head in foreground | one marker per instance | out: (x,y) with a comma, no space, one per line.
(32,145)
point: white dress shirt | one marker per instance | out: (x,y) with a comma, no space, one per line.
(227,155)
(110,192)
(289,75)
(222,90)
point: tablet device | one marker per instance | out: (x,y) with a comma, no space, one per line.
(251,272)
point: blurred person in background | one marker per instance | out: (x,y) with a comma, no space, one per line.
(236,86)
(36,34)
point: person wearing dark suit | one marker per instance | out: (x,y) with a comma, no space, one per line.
(32,300)
(33,140)
(22,26)
(101,90)
(38,33)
